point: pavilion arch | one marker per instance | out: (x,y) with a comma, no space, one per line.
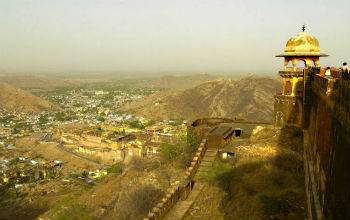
(301,63)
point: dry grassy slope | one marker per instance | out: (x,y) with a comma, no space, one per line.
(30,81)
(177,82)
(15,99)
(249,97)
(263,180)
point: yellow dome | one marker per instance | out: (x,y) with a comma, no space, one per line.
(302,42)
(302,45)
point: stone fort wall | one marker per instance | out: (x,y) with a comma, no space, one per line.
(326,124)
(181,190)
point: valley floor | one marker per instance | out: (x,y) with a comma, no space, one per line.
(264,179)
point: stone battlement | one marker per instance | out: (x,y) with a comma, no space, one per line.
(179,191)
(291,73)
(323,112)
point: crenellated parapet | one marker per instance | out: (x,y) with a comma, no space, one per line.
(291,73)
(181,190)
(326,124)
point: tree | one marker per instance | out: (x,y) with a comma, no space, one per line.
(59,116)
(150,123)
(181,150)
(101,119)
(134,124)
(43,119)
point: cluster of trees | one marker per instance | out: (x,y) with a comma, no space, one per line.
(43,119)
(6,118)
(64,116)
(181,149)
(136,124)
(21,125)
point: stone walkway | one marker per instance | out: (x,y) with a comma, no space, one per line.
(207,162)
(181,207)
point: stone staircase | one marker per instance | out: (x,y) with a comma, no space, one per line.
(181,197)
(181,208)
(209,157)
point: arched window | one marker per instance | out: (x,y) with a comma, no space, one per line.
(301,64)
(288,65)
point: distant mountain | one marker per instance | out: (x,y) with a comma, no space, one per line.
(249,97)
(31,81)
(176,82)
(15,99)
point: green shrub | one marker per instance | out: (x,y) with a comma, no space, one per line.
(136,203)
(181,150)
(14,161)
(150,123)
(101,119)
(43,202)
(84,174)
(273,206)
(220,171)
(115,168)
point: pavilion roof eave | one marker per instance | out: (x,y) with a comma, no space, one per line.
(302,55)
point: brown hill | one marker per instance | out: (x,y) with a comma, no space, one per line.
(31,81)
(176,82)
(15,99)
(249,97)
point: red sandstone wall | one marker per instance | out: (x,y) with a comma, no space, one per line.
(326,145)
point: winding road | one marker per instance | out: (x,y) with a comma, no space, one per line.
(60,146)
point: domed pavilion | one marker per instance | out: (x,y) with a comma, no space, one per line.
(302,47)
(288,108)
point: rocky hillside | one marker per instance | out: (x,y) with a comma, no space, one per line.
(176,82)
(15,99)
(249,97)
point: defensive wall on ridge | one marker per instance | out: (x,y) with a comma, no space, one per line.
(181,190)
(326,124)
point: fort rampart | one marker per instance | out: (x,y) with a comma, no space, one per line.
(326,124)
(182,190)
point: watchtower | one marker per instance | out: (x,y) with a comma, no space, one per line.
(289,103)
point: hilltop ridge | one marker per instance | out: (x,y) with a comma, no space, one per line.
(15,99)
(248,97)
(33,81)
(171,82)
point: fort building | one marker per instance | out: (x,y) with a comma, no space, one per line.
(217,131)
(320,106)
(288,104)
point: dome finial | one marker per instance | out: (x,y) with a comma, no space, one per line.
(303,28)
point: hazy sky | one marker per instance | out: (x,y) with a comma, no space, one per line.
(165,36)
